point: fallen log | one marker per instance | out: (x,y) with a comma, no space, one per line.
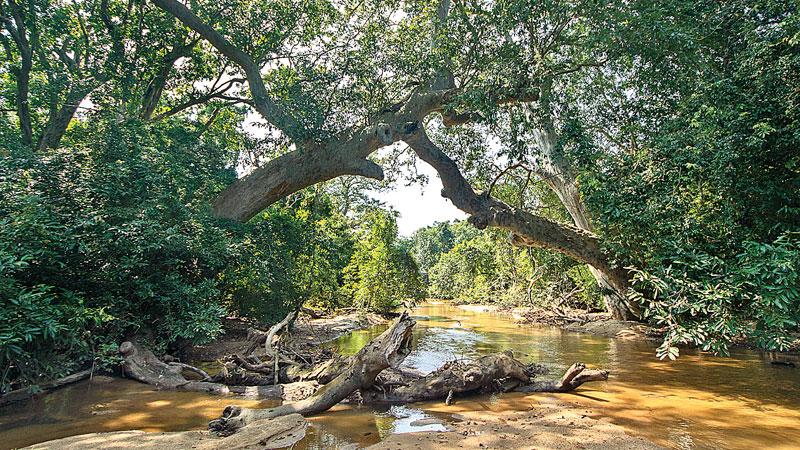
(141,364)
(289,392)
(576,375)
(387,350)
(498,371)
(282,432)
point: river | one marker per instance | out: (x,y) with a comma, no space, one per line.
(699,401)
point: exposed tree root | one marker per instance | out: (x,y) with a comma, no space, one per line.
(387,350)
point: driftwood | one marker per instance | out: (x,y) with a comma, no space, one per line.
(141,364)
(575,376)
(281,432)
(240,370)
(373,371)
(387,350)
(498,371)
(495,372)
(289,392)
(18,395)
(258,338)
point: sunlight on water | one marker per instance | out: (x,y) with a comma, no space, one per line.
(696,402)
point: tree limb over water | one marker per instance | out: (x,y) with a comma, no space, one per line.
(316,158)
(373,373)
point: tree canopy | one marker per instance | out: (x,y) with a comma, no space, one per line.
(166,163)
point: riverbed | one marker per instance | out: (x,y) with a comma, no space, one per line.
(699,401)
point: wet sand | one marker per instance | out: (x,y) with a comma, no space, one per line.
(557,425)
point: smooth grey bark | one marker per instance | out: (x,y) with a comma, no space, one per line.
(558,174)
(346,154)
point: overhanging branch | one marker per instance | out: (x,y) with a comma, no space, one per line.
(272,112)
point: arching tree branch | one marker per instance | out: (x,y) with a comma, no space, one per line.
(272,112)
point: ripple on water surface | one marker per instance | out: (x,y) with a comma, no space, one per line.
(698,401)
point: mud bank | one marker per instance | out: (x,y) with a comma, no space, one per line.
(558,424)
(578,321)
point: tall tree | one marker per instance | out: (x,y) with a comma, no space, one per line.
(444,83)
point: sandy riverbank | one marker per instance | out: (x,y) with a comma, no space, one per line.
(577,321)
(557,424)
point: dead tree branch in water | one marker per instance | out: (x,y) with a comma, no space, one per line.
(373,372)
(387,350)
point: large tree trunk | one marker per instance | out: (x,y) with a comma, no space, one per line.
(387,350)
(555,170)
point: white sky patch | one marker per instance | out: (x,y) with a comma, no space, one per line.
(419,205)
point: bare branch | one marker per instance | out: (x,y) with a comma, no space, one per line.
(218,94)
(503,172)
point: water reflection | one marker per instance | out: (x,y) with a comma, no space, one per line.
(697,402)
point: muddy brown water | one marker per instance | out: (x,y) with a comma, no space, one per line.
(699,401)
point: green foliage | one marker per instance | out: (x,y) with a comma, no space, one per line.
(483,267)
(706,302)
(381,274)
(710,174)
(105,239)
(678,119)
(428,243)
(290,256)
(110,238)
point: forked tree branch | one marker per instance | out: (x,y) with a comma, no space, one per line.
(347,153)
(272,112)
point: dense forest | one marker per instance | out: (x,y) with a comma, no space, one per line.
(164,165)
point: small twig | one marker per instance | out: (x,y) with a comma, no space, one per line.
(503,172)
